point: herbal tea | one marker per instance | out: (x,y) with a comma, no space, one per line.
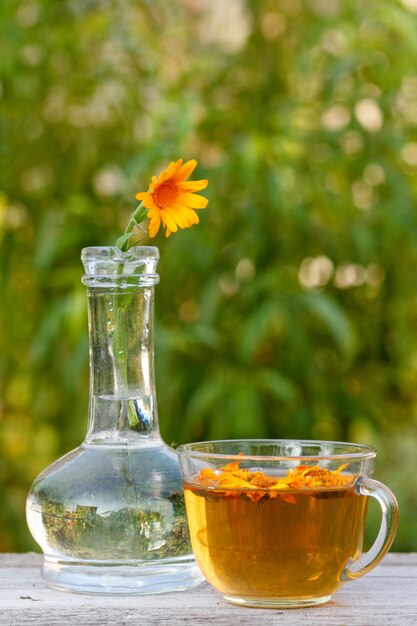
(255,535)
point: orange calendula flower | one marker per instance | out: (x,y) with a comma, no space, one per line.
(171,199)
(257,486)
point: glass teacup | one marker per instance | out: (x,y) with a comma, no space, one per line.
(280,523)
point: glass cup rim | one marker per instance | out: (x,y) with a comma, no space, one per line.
(357,451)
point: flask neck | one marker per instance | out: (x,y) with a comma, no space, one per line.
(120,318)
(122,407)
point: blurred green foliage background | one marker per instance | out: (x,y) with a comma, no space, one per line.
(291,310)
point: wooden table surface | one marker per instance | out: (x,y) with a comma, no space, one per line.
(387,595)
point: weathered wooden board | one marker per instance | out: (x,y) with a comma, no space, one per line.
(386,596)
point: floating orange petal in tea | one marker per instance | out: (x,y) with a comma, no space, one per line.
(256,485)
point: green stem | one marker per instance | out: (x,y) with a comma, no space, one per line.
(124,243)
(139,215)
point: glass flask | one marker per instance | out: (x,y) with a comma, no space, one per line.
(109,515)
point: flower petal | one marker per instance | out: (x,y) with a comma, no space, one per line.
(192,201)
(192,185)
(187,169)
(147,199)
(153,184)
(142,195)
(189,214)
(169,221)
(172,169)
(178,216)
(154,224)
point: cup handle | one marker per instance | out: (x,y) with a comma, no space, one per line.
(389,506)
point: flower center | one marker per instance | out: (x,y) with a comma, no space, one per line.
(165,195)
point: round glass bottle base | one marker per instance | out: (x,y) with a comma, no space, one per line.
(105,577)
